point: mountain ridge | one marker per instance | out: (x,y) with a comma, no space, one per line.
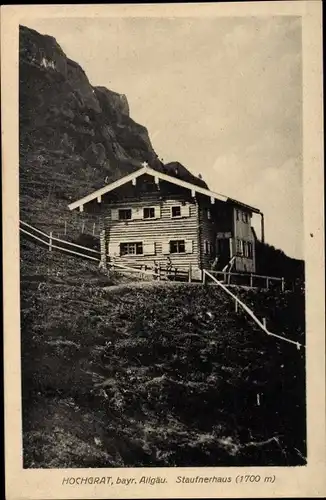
(74,136)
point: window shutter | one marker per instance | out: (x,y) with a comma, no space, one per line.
(114,214)
(114,249)
(185,210)
(166,247)
(188,246)
(137,213)
(158,212)
(149,248)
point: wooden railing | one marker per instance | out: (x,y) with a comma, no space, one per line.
(160,272)
(53,243)
(56,243)
(239,303)
(249,279)
(122,268)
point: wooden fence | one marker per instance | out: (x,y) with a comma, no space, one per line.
(249,279)
(238,303)
(158,272)
(52,243)
(73,228)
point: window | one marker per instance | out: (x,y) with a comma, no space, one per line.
(239,247)
(208,247)
(125,213)
(176,211)
(135,248)
(245,249)
(149,213)
(245,217)
(177,246)
(250,250)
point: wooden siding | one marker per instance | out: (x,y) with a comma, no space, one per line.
(154,233)
(220,222)
(207,234)
(242,231)
(194,226)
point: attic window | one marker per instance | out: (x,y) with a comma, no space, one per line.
(176,211)
(245,217)
(125,213)
(149,213)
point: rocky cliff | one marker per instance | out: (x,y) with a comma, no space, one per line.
(74,137)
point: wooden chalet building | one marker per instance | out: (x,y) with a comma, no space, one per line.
(152,218)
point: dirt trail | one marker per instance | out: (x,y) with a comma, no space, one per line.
(146,284)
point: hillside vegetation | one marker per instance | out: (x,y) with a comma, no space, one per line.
(272,261)
(152,375)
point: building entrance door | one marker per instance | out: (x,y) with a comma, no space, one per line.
(223,251)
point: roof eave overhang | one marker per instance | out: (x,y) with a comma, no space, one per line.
(244,205)
(161,176)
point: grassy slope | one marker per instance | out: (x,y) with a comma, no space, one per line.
(154,375)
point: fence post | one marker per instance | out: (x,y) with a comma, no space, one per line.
(251,280)
(93,228)
(236,306)
(283,285)
(267,283)
(83,227)
(189,274)
(159,272)
(264,322)
(50,241)
(103,249)
(65,227)
(204,276)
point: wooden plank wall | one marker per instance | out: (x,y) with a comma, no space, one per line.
(159,231)
(221,222)
(207,233)
(242,230)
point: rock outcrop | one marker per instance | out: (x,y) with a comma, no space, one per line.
(73,135)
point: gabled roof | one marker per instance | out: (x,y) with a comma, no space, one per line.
(158,175)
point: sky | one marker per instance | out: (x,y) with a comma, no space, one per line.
(223,96)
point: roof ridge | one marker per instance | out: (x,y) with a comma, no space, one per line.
(146,169)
